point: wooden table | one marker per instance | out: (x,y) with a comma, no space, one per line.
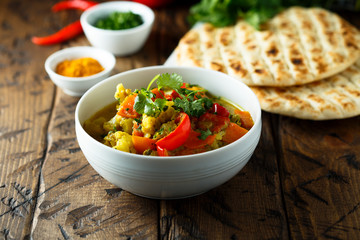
(301,183)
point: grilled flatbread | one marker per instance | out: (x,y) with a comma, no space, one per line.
(336,97)
(300,45)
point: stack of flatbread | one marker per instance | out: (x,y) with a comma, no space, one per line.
(306,64)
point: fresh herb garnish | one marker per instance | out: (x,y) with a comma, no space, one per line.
(204,134)
(256,12)
(119,21)
(190,101)
(145,105)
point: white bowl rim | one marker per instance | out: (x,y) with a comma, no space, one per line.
(63,52)
(108,5)
(257,121)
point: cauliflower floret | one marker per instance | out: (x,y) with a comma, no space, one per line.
(112,124)
(168,115)
(148,125)
(118,122)
(151,124)
(121,93)
(126,124)
(165,129)
(121,141)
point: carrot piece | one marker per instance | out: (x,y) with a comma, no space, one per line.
(245,119)
(233,132)
(194,142)
(142,143)
(127,107)
(136,130)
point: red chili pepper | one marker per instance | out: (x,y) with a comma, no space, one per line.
(154,3)
(70,31)
(219,110)
(75,4)
(177,137)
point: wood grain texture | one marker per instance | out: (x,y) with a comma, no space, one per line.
(301,183)
(25,105)
(320,172)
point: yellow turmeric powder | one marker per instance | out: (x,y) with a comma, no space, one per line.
(81,67)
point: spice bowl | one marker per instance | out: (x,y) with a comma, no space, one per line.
(77,86)
(168,177)
(119,42)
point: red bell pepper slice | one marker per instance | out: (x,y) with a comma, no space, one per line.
(233,132)
(219,110)
(162,151)
(73,4)
(143,143)
(158,93)
(177,137)
(127,107)
(70,31)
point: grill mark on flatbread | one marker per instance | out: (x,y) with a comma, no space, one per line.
(292,47)
(211,53)
(233,60)
(310,41)
(336,97)
(190,46)
(249,47)
(273,56)
(300,46)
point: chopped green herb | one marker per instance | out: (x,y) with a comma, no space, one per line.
(190,101)
(119,21)
(256,12)
(204,134)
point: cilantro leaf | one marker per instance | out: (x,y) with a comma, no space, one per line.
(256,12)
(194,108)
(145,105)
(160,103)
(204,134)
(173,81)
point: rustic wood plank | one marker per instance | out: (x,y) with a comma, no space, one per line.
(26,95)
(248,206)
(75,201)
(301,183)
(320,171)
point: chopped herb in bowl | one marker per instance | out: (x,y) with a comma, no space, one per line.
(120,21)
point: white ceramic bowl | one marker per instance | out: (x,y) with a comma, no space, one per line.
(176,176)
(77,86)
(119,42)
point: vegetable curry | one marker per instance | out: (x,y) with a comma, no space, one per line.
(175,118)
